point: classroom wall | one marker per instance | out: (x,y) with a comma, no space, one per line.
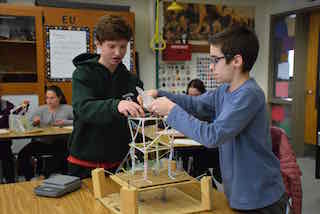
(144,11)
(280,6)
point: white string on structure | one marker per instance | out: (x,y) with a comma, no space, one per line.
(149,146)
(133,136)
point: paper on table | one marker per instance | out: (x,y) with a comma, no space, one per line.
(35,130)
(68,127)
(186,142)
(4,131)
(173,132)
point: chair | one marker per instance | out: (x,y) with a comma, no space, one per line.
(290,170)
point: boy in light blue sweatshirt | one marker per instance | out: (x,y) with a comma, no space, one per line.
(250,171)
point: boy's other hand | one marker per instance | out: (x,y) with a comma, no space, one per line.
(36,121)
(162,106)
(59,123)
(153,93)
(130,108)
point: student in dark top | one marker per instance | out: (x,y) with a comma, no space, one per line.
(101,135)
(196,87)
(6,156)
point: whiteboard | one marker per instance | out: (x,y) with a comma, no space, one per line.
(64,46)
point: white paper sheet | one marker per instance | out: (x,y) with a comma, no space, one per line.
(173,132)
(283,71)
(64,46)
(4,131)
(68,127)
(127,57)
(186,142)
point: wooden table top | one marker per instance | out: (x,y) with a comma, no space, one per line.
(41,132)
(19,198)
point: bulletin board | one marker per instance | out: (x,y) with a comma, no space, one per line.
(62,45)
(174,77)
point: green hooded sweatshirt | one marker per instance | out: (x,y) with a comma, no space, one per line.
(101,133)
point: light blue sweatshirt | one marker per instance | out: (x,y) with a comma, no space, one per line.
(250,171)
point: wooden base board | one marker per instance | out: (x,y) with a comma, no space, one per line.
(153,181)
(151,202)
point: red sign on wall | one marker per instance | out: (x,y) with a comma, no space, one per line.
(177,52)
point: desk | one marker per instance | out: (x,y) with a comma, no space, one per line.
(45,132)
(19,199)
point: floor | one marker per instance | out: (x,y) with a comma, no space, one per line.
(310,186)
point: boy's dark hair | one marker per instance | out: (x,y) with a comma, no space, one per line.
(237,40)
(58,92)
(111,28)
(198,84)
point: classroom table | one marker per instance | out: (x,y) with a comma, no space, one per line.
(41,132)
(19,198)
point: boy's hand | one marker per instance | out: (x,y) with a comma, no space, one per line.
(130,108)
(162,106)
(58,123)
(36,121)
(153,93)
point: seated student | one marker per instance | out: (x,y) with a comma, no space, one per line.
(6,156)
(203,158)
(55,113)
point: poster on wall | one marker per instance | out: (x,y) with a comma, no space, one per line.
(196,22)
(174,77)
(62,45)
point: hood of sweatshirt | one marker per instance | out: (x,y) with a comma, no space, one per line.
(85,58)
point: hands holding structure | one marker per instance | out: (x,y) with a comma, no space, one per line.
(160,106)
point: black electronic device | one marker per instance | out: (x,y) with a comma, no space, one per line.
(57,186)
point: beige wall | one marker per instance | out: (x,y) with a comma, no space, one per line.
(144,12)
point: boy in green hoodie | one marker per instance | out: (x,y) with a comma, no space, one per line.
(101,135)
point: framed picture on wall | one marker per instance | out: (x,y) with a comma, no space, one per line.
(196,22)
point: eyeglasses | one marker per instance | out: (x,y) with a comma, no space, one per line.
(214,60)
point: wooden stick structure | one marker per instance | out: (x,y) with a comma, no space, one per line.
(151,190)
(137,125)
(157,199)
